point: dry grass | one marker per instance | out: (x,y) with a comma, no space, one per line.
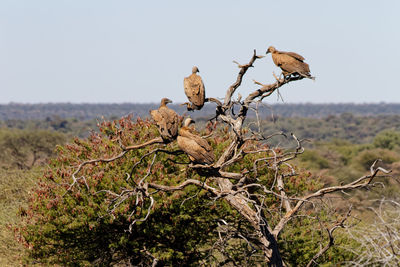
(14,189)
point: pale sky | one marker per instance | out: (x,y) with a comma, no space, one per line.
(140,51)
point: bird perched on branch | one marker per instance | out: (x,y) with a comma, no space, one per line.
(197,148)
(167,121)
(291,63)
(194,90)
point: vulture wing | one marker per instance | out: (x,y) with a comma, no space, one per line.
(160,122)
(290,64)
(194,90)
(295,55)
(171,121)
(157,117)
(196,147)
(167,122)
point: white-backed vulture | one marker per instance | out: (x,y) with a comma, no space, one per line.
(167,121)
(197,148)
(194,90)
(290,63)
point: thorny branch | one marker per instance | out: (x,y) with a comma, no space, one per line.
(122,154)
(339,224)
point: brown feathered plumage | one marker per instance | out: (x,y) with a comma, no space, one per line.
(167,121)
(194,90)
(197,148)
(290,63)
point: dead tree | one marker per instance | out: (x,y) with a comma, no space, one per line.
(381,246)
(241,190)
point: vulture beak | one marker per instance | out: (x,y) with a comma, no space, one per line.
(267,52)
(169,101)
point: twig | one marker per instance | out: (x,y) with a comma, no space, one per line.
(331,238)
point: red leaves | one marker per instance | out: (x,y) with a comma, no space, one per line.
(52,203)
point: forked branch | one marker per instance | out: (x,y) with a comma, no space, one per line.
(362,182)
(331,239)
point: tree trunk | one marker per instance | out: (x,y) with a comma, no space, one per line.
(267,240)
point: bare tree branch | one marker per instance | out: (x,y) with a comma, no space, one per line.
(361,182)
(166,188)
(238,82)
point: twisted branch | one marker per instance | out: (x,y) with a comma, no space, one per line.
(362,182)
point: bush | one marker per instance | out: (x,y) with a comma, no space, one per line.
(387,139)
(24,149)
(84,225)
(365,159)
(312,159)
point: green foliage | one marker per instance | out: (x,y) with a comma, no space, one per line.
(84,226)
(314,160)
(81,227)
(70,127)
(366,158)
(305,236)
(353,129)
(387,139)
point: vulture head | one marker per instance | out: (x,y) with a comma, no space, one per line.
(165,101)
(195,69)
(270,49)
(187,122)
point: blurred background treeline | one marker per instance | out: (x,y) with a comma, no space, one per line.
(85,111)
(356,123)
(343,141)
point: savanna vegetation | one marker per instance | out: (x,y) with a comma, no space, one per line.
(122,195)
(327,161)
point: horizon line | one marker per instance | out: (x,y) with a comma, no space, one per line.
(175,103)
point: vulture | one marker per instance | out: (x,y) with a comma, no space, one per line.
(197,148)
(290,63)
(194,90)
(167,121)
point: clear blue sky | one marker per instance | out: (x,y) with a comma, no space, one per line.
(140,51)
